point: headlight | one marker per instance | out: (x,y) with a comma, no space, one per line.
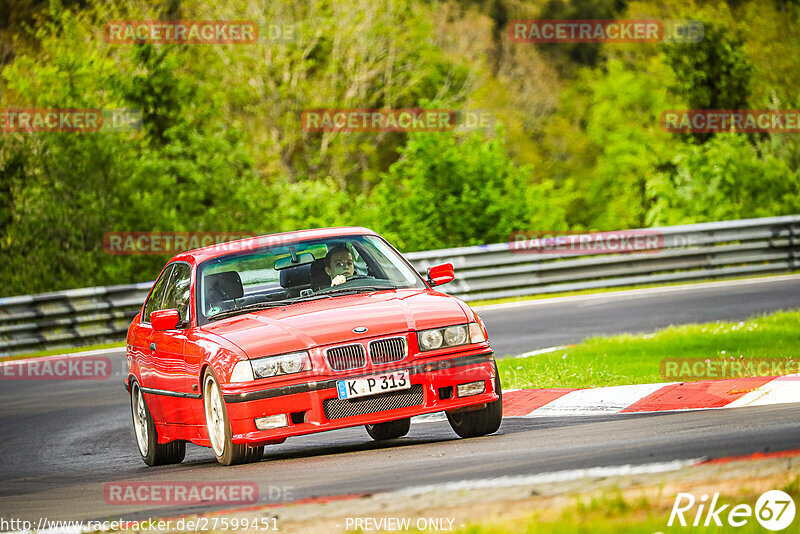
(455,335)
(450,336)
(430,339)
(285,364)
(264,367)
(292,365)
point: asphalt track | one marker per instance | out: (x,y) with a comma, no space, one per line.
(62,440)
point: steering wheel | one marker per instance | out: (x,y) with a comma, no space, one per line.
(346,283)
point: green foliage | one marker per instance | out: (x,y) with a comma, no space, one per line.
(312,204)
(447,192)
(623,120)
(222,147)
(355,54)
(185,171)
(579,53)
(725,178)
(713,73)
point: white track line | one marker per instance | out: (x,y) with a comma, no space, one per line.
(546,478)
(112,351)
(537,352)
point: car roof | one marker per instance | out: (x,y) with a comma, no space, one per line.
(199,255)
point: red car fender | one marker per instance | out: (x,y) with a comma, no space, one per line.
(483,326)
(472,316)
(133,373)
(221,363)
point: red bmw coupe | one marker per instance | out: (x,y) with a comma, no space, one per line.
(244,344)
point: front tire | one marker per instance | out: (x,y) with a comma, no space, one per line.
(479,422)
(389,429)
(153,453)
(219,428)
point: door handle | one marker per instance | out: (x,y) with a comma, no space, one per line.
(152,346)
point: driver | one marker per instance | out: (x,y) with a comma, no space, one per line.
(339,264)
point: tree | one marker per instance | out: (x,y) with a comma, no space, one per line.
(624,123)
(725,178)
(447,191)
(187,170)
(713,73)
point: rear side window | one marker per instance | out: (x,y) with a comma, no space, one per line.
(178,290)
(157,295)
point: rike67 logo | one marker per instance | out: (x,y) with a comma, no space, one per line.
(774,510)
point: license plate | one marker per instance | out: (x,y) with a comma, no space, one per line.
(372,385)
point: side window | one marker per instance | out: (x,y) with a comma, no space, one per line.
(380,257)
(157,295)
(359,265)
(178,290)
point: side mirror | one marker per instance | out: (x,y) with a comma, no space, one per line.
(164,319)
(441,274)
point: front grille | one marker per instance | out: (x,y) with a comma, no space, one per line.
(346,357)
(340,408)
(388,350)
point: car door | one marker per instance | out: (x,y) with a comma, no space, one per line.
(168,349)
(141,341)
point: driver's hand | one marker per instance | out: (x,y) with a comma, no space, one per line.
(340,279)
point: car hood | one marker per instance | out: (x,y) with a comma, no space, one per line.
(327,321)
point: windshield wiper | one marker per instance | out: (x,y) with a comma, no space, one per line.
(286,302)
(250,307)
(313,296)
(341,291)
(357,289)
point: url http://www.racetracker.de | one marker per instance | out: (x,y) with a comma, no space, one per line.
(197,524)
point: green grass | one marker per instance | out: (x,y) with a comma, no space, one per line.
(612,512)
(632,518)
(53,352)
(636,359)
(489,302)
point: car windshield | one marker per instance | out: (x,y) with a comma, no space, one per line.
(285,274)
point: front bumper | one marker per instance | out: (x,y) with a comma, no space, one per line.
(313,406)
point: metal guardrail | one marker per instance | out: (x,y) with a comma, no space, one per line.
(689,252)
(65,319)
